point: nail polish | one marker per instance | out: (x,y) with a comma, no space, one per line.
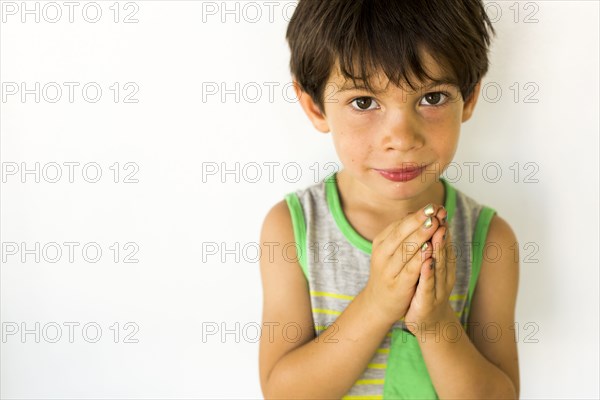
(444,220)
(429,210)
(424,247)
(444,237)
(432,265)
(428,223)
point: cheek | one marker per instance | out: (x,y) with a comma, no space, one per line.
(446,119)
(446,125)
(351,145)
(347,132)
(443,138)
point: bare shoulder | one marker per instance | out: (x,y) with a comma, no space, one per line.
(287,316)
(278,220)
(492,315)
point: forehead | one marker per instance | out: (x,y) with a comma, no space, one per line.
(380,82)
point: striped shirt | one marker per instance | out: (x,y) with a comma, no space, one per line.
(335,260)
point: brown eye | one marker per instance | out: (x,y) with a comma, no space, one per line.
(363,103)
(433,99)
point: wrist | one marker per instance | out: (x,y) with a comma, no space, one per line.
(372,311)
(437,323)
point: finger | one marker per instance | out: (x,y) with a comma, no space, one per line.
(442,215)
(382,236)
(426,288)
(412,265)
(419,238)
(412,224)
(414,250)
(414,242)
(440,262)
(450,263)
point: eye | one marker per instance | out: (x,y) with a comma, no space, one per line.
(363,103)
(434,98)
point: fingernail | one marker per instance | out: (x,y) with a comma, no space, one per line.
(428,222)
(424,247)
(429,210)
(432,265)
(444,237)
(444,220)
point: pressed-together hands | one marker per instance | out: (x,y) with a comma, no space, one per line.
(411,273)
(430,304)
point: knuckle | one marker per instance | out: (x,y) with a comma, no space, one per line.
(409,247)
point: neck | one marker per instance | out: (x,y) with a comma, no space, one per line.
(357,197)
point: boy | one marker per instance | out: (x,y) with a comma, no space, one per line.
(390,311)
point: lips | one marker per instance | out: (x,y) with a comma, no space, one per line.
(413,166)
(403,174)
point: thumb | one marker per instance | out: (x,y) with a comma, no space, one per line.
(427,275)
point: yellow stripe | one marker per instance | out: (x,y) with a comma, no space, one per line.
(325,311)
(322,327)
(384,351)
(360,397)
(334,295)
(457,297)
(369,382)
(377,366)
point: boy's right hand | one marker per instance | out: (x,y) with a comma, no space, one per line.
(396,261)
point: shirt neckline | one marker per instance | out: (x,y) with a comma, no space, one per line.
(355,238)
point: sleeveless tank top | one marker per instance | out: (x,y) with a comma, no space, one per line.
(335,260)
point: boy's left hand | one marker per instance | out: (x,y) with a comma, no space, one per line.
(430,304)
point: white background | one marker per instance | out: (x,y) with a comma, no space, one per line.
(174,216)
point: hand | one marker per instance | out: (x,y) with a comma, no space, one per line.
(430,304)
(396,263)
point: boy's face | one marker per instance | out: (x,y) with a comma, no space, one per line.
(394,129)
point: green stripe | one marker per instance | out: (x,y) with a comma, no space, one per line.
(333,201)
(449,199)
(299,226)
(358,241)
(477,248)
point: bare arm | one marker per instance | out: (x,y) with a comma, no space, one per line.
(308,367)
(327,368)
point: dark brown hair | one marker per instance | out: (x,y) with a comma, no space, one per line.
(387,35)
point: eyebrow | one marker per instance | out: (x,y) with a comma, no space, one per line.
(348,85)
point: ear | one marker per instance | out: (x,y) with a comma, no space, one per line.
(311,109)
(469,105)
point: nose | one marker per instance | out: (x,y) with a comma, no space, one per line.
(401,133)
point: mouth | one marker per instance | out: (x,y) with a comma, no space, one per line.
(404,174)
(413,166)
